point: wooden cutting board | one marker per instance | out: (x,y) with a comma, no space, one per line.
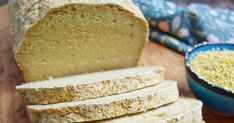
(12,108)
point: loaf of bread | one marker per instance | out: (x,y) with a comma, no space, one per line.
(106,107)
(54,38)
(88,86)
(184,110)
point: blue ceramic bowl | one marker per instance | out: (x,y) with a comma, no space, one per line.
(218,99)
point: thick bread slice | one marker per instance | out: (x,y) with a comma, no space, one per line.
(184,110)
(106,107)
(92,85)
(67,37)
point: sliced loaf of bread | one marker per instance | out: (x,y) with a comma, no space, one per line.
(106,107)
(75,36)
(89,86)
(184,110)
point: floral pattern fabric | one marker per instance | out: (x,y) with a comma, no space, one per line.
(180,27)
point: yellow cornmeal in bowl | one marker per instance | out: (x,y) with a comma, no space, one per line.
(217,67)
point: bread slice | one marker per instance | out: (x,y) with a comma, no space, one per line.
(106,107)
(89,86)
(184,110)
(55,38)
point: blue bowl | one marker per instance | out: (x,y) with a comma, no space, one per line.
(218,99)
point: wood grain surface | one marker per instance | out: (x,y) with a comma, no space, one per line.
(12,108)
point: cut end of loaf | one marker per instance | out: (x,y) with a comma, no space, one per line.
(81,38)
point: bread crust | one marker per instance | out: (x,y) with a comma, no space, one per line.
(190,112)
(91,90)
(106,109)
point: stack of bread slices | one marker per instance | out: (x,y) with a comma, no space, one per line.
(127,95)
(60,44)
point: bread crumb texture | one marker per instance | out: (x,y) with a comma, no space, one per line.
(54,38)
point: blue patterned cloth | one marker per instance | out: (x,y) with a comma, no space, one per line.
(180,27)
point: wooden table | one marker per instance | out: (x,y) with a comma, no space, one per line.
(12,108)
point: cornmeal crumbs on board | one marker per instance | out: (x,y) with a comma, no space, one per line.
(215,66)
